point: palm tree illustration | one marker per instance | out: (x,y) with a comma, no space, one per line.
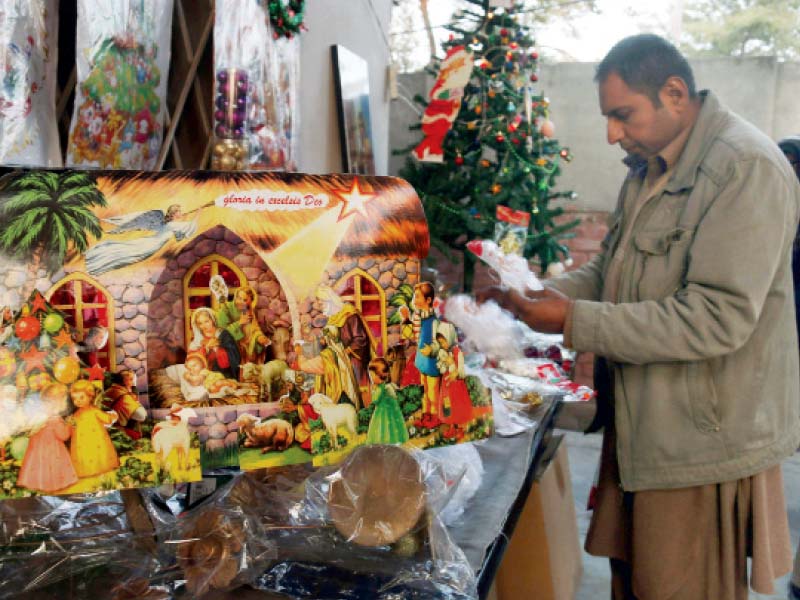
(46,214)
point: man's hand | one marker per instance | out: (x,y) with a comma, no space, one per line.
(544,311)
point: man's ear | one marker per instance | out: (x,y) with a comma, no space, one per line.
(674,92)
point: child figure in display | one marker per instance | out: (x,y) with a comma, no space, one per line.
(455,406)
(46,466)
(425,322)
(91,449)
(387,425)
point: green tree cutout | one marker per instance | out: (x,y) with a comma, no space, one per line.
(45,215)
(500,149)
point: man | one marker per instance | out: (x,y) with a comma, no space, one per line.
(347,328)
(791,148)
(238,317)
(689,307)
(122,399)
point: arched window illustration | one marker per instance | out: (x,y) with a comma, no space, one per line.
(196,290)
(362,291)
(86,304)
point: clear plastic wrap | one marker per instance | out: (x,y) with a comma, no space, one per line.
(28,57)
(257,79)
(366,529)
(122,55)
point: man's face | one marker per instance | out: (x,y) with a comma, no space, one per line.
(634,122)
(241,301)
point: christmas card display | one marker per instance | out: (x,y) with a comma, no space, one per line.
(28,44)
(122,57)
(279,317)
(257,79)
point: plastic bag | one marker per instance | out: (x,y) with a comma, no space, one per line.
(375,515)
(28,57)
(463,469)
(122,55)
(255,105)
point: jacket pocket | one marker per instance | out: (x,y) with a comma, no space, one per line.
(663,258)
(703,397)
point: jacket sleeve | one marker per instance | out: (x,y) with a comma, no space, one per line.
(584,283)
(738,246)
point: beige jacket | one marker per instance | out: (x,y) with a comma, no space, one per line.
(702,342)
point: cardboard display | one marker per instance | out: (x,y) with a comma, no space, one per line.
(257,320)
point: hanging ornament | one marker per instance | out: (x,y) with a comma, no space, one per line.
(496,188)
(534,55)
(513,45)
(472,125)
(485,163)
(53,323)
(500,138)
(459,160)
(535,209)
(516,141)
(286,17)
(27,328)
(511,107)
(478,109)
(504,32)
(491,93)
(564,153)
(547,128)
(445,102)
(534,77)
(66,370)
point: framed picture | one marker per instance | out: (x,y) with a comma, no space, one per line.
(351,74)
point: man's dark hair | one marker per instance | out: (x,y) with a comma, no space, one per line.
(645,62)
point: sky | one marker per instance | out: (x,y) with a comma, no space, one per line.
(587,38)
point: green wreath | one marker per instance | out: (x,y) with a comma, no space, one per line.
(286,17)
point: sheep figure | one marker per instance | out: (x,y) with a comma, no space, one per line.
(333,415)
(268,374)
(270,434)
(173,434)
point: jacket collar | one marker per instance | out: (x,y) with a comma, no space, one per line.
(709,123)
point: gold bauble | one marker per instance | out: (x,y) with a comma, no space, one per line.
(227,163)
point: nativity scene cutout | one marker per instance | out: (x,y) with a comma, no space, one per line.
(234,320)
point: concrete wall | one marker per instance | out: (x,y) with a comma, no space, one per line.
(761,90)
(350,23)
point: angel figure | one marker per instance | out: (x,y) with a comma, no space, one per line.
(161,227)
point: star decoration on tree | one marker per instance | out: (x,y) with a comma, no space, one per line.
(63,338)
(354,201)
(39,303)
(96,372)
(34,359)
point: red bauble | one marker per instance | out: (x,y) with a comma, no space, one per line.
(534,55)
(499,137)
(459,160)
(504,32)
(534,77)
(27,328)
(515,141)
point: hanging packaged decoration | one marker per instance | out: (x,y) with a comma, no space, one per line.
(445,103)
(255,105)
(286,17)
(123,50)
(28,48)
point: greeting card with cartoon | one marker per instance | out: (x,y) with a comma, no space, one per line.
(248,320)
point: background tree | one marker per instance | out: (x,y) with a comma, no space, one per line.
(742,28)
(45,215)
(501,149)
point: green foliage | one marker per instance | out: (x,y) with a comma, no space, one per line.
(403,297)
(742,28)
(322,444)
(364,417)
(410,399)
(315,424)
(495,153)
(478,394)
(123,444)
(45,214)
(136,473)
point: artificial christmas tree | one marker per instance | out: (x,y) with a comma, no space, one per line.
(499,151)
